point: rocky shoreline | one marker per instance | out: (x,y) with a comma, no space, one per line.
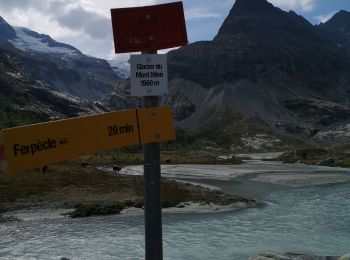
(297,256)
(104,194)
(318,157)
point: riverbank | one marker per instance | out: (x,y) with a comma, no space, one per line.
(86,191)
(279,173)
(294,220)
(337,157)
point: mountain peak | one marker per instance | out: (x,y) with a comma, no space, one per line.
(6,31)
(252,7)
(340,21)
(2,21)
(260,18)
(341,16)
(343,12)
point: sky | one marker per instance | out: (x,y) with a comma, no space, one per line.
(86,24)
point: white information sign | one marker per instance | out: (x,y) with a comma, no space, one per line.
(149,75)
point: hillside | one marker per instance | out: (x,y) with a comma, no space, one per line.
(337,30)
(59,66)
(24,100)
(273,67)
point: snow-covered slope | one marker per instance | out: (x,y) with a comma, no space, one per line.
(28,40)
(122,68)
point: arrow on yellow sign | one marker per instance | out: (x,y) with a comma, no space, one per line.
(28,147)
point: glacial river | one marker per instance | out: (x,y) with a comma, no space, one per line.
(313,219)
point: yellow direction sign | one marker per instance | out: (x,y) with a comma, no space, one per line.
(156,125)
(32,146)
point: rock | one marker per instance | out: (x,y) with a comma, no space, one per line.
(345,257)
(269,257)
(331,162)
(8,219)
(292,256)
(181,206)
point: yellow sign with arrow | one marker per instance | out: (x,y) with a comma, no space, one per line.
(28,147)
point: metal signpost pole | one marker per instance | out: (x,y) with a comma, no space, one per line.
(147,29)
(152,199)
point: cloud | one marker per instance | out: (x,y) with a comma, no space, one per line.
(301,5)
(61,17)
(103,6)
(324,18)
(200,13)
(92,24)
(84,24)
(121,59)
(21,4)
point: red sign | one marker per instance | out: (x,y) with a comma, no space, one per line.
(149,28)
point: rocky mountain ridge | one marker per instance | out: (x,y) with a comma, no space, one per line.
(337,30)
(271,66)
(60,66)
(24,100)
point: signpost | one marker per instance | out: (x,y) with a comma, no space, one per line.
(145,29)
(156,124)
(149,75)
(32,146)
(148,29)
(152,196)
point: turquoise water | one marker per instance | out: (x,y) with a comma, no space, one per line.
(313,219)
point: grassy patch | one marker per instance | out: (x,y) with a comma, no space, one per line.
(315,155)
(10,117)
(62,177)
(180,156)
(92,192)
(309,155)
(346,163)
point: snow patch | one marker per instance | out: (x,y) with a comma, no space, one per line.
(15,75)
(27,42)
(122,68)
